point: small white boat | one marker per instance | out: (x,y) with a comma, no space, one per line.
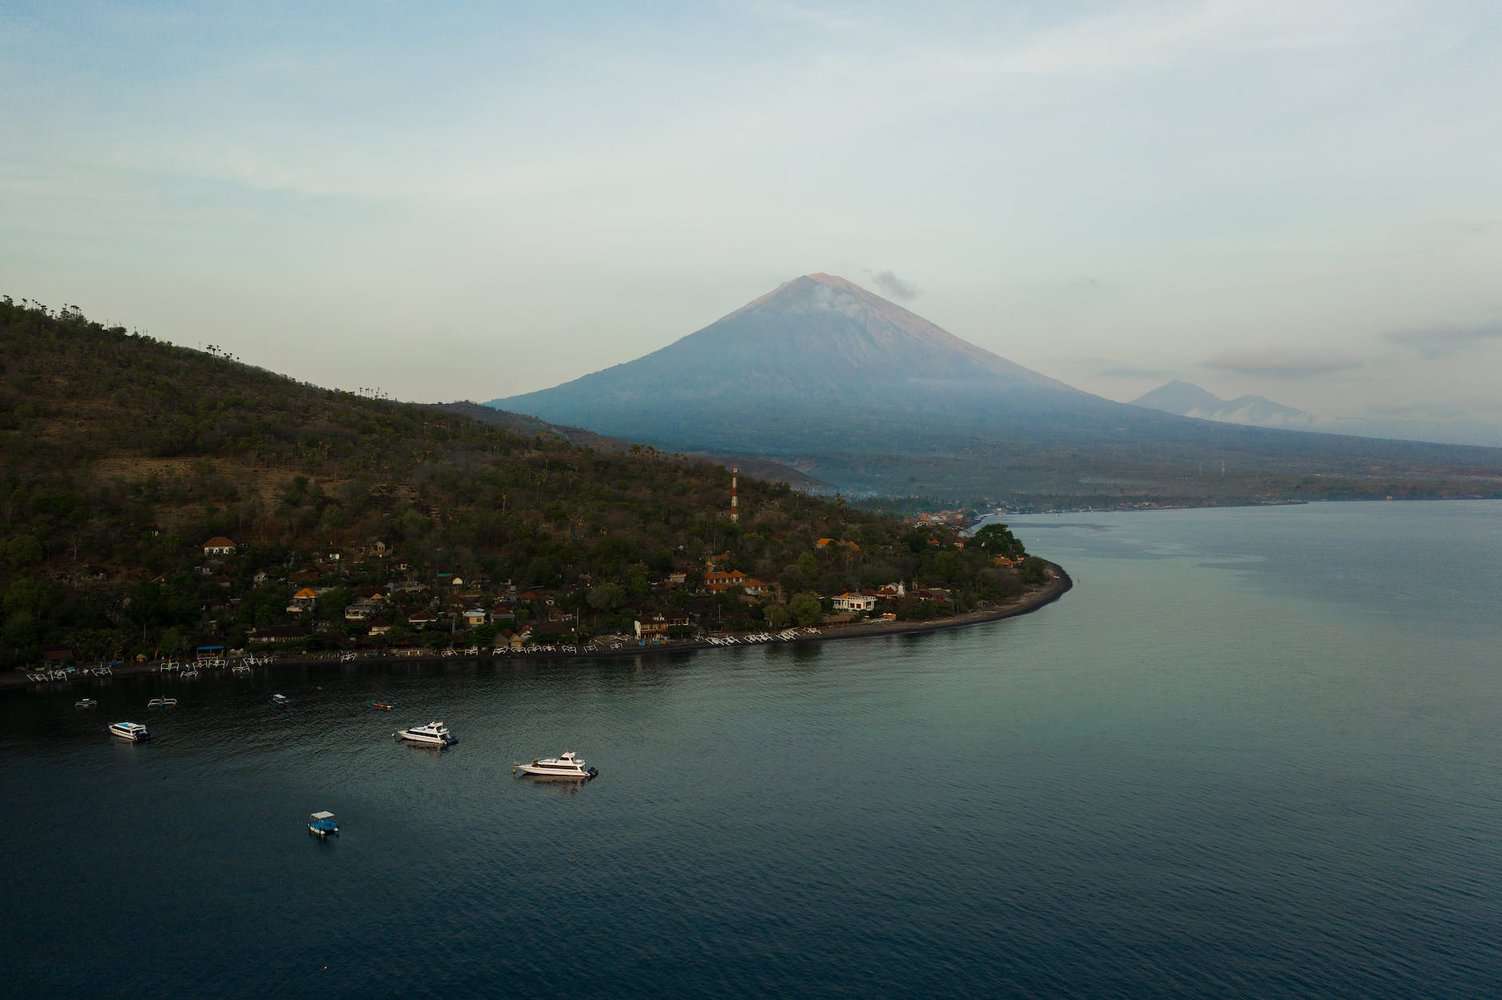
(279,699)
(566,765)
(86,703)
(434,734)
(133,731)
(162,703)
(322,823)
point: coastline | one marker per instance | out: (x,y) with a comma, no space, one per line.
(1059,584)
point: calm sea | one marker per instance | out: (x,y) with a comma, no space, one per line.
(1254,752)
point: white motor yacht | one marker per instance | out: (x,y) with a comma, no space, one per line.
(566,765)
(133,731)
(434,734)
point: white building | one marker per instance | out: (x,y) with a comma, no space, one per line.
(850,601)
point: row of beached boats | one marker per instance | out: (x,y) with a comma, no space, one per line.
(65,674)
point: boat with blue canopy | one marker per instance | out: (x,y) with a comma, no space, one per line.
(322,823)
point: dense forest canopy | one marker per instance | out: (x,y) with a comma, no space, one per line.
(124,454)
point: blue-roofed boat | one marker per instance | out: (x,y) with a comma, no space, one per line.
(133,731)
(322,823)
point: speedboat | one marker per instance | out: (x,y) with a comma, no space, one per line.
(322,823)
(162,703)
(279,699)
(86,703)
(133,731)
(434,734)
(565,765)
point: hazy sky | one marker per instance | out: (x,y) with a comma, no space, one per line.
(1293,197)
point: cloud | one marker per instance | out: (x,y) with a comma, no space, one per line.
(1443,341)
(1272,364)
(894,286)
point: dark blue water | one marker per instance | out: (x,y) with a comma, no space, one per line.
(1254,752)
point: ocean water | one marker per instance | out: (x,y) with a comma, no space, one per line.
(1254,752)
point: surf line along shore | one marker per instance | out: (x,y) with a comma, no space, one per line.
(1059,583)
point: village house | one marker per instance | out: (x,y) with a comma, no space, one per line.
(218,546)
(658,626)
(718,581)
(756,588)
(851,601)
(556,631)
(304,600)
(271,635)
(367,608)
(891,591)
(475,617)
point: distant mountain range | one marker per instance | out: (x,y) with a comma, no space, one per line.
(1189,400)
(864,394)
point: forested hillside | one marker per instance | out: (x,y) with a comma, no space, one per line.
(123,455)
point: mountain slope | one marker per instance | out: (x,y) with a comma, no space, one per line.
(799,361)
(520,423)
(1186,399)
(122,455)
(870,397)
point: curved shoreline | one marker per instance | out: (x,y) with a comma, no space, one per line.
(1059,584)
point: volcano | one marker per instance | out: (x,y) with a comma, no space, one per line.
(866,395)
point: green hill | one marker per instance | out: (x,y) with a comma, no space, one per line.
(123,455)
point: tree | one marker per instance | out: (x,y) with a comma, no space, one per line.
(1034,571)
(776,615)
(606,596)
(805,608)
(998,540)
(172,642)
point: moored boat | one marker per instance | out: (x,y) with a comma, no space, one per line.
(133,731)
(86,703)
(162,703)
(566,765)
(434,734)
(279,699)
(382,706)
(322,823)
